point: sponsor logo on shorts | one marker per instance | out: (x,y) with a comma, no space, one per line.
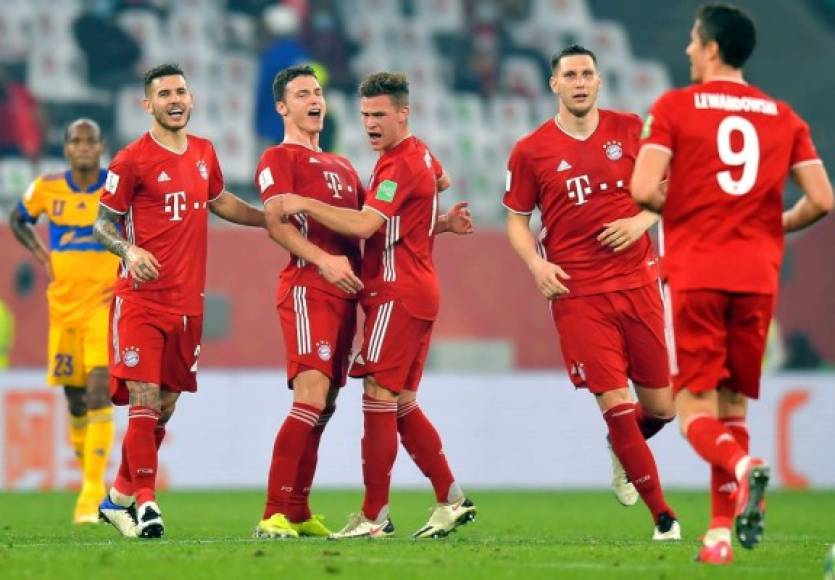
(578,370)
(131,356)
(323,349)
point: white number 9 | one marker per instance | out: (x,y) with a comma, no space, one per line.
(748,157)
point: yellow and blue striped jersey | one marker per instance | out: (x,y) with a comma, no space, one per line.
(84,270)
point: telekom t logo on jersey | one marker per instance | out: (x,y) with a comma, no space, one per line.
(334,183)
(578,188)
(175,204)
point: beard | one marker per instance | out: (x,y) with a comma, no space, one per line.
(160,117)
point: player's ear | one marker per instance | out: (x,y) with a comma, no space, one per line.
(281,108)
(552,82)
(146,104)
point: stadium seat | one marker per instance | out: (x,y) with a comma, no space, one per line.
(15,176)
(16,28)
(440,15)
(522,76)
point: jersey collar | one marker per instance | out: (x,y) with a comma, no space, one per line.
(93,188)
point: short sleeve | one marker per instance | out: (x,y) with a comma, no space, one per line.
(521,188)
(803,148)
(659,130)
(274,175)
(390,189)
(32,204)
(215,175)
(120,183)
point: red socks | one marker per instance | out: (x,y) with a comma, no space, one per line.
(649,424)
(421,440)
(298,507)
(722,484)
(139,448)
(631,448)
(379,450)
(290,443)
(715,443)
(122,483)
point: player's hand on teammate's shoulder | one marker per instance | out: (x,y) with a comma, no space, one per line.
(337,270)
(622,233)
(549,277)
(141,264)
(290,204)
(459,219)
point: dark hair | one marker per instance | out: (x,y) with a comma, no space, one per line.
(731,28)
(283,78)
(83,121)
(163,70)
(385,83)
(573,50)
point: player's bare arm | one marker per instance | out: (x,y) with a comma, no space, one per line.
(816,201)
(335,269)
(548,276)
(622,233)
(361,224)
(647,185)
(141,264)
(458,220)
(444,181)
(233,209)
(25,234)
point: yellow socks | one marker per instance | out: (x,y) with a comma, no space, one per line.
(99,440)
(78,434)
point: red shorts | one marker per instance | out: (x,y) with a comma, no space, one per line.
(318,331)
(611,337)
(720,340)
(394,347)
(150,346)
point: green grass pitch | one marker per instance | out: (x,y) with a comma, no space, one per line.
(518,534)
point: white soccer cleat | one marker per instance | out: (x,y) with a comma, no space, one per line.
(359,526)
(121,517)
(667,529)
(149,521)
(446,517)
(624,490)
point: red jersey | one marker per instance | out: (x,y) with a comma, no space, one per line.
(329,178)
(579,186)
(397,264)
(163,196)
(732,147)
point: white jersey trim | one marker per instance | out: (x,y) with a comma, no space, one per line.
(800,164)
(666,150)
(101,203)
(377,211)
(516,211)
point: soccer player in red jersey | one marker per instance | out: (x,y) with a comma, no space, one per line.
(316,296)
(597,268)
(400,297)
(160,188)
(728,148)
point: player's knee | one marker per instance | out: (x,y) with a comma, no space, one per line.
(98,389)
(377,391)
(76,401)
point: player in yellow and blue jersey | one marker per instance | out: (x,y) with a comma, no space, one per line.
(81,278)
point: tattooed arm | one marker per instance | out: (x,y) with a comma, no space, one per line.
(25,234)
(142,265)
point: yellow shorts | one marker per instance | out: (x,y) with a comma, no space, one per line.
(76,350)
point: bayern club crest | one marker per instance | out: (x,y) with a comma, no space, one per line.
(323,349)
(613,149)
(204,171)
(131,356)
